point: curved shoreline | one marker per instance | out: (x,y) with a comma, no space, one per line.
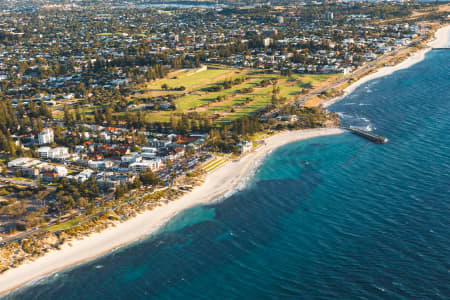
(441,40)
(217,184)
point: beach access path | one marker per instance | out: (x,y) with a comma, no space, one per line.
(217,184)
(441,40)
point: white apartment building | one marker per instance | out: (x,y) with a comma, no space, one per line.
(46,136)
(84,175)
(144,165)
(54,153)
(100,164)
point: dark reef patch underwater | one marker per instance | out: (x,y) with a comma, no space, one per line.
(306,227)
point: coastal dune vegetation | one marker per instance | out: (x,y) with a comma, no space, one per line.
(156,129)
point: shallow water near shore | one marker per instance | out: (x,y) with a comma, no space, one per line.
(327,218)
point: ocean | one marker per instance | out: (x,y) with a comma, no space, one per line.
(327,218)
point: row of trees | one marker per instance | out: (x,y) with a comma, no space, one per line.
(23,119)
(70,195)
(145,178)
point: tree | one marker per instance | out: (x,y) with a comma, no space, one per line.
(148,177)
(136,184)
(108,115)
(68,118)
(44,110)
(119,192)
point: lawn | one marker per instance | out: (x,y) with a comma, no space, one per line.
(194,101)
(214,164)
(207,99)
(192,80)
(289,88)
(196,96)
(66,225)
(234,107)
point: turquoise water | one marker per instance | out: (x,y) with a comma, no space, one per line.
(328,218)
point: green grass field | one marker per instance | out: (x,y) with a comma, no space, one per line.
(193,101)
(235,106)
(289,89)
(62,226)
(191,80)
(214,164)
(197,98)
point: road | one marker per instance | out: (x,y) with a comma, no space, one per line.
(8,180)
(178,166)
(363,69)
(19,236)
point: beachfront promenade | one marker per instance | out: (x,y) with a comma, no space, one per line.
(218,182)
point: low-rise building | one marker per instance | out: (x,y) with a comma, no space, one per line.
(83,176)
(27,167)
(144,165)
(131,158)
(287,118)
(58,153)
(61,171)
(100,164)
(244,146)
(23,162)
(111,179)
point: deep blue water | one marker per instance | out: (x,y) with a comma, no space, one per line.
(328,218)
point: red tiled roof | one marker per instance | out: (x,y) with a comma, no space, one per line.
(50,175)
(186,140)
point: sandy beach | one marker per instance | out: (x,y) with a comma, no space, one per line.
(217,184)
(441,40)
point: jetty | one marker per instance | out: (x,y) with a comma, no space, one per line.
(445,48)
(367,135)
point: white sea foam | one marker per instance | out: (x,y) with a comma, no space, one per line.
(441,40)
(342,115)
(44,279)
(369,128)
(38,280)
(216,183)
(380,288)
(242,184)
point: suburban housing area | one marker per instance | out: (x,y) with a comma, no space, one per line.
(107,112)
